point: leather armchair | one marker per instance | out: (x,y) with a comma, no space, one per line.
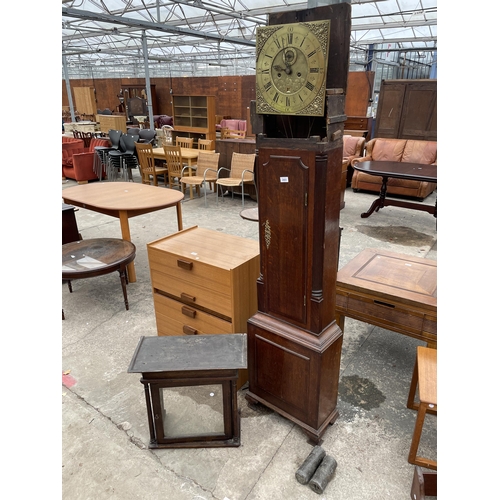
(354,147)
(70,146)
(82,168)
(160,120)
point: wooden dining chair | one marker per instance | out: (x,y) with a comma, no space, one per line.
(206,144)
(184,142)
(208,163)
(174,166)
(241,172)
(147,165)
(166,136)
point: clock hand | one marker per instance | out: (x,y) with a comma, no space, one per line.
(287,70)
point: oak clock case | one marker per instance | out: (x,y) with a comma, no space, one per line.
(291,68)
(294,342)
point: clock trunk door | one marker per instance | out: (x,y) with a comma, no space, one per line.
(283,187)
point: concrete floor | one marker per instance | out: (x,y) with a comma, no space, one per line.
(104,422)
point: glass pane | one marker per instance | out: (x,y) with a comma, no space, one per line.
(193,410)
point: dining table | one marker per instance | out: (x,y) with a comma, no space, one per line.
(189,156)
(124,200)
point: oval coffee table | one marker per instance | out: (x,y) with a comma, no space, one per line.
(96,257)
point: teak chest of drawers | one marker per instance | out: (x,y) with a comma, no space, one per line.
(393,291)
(204,282)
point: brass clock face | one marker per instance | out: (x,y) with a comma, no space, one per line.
(291,68)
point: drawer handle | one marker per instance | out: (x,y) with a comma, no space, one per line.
(187,311)
(188,330)
(184,264)
(188,298)
(385,304)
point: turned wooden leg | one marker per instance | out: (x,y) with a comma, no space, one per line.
(123,279)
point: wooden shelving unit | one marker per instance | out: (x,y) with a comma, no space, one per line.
(194,116)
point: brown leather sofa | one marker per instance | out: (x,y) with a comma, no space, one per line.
(80,165)
(403,150)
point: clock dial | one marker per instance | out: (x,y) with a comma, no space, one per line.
(291,68)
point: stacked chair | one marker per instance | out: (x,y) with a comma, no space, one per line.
(123,159)
(101,153)
(147,135)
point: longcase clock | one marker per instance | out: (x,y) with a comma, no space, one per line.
(294,343)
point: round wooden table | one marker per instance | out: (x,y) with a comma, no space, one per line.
(250,214)
(96,257)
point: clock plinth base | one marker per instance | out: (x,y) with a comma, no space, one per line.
(294,372)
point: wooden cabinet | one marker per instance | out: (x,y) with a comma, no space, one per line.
(194,116)
(112,122)
(359,125)
(204,282)
(294,343)
(407,109)
(226,148)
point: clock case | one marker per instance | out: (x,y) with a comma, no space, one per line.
(294,343)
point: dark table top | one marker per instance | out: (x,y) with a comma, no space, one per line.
(93,257)
(399,170)
(190,352)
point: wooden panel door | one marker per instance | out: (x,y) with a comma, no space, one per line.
(283,236)
(85,100)
(389,110)
(419,116)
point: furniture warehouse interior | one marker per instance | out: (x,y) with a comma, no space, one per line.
(263,180)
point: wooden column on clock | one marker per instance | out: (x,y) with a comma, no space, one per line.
(294,343)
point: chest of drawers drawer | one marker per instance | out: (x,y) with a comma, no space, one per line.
(195,283)
(176,318)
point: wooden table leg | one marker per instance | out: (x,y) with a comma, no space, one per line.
(179,216)
(126,236)
(123,279)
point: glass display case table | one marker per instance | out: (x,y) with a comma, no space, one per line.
(186,361)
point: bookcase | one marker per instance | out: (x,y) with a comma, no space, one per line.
(194,116)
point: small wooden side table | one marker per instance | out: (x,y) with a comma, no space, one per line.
(96,257)
(393,291)
(182,361)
